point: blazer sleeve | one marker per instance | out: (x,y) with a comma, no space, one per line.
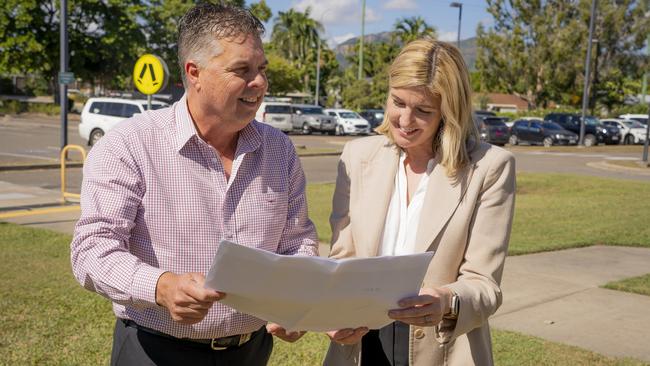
(342,244)
(478,283)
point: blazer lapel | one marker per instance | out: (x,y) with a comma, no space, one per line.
(377,181)
(440,201)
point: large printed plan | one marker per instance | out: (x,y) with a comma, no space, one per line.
(313,293)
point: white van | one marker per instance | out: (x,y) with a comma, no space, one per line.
(99,115)
(643,118)
(276,114)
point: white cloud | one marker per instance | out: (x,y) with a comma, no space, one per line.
(401,5)
(340,39)
(337,11)
(448,36)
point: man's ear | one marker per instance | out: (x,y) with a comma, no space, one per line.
(192,71)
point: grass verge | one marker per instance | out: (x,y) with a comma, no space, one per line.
(552,211)
(638,285)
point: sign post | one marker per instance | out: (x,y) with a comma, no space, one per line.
(150,75)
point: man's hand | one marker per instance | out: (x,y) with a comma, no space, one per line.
(347,336)
(426,309)
(282,333)
(185,297)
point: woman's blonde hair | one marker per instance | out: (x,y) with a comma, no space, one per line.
(439,68)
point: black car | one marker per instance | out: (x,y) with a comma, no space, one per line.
(535,132)
(374,117)
(493,130)
(595,132)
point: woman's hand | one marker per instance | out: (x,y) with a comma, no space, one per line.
(282,333)
(424,310)
(347,336)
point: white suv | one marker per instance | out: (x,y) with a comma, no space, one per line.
(99,115)
(643,118)
(349,122)
(276,114)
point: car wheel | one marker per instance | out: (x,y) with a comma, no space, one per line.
(548,142)
(590,140)
(306,129)
(629,140)
(95,136)
(513,140)
(339,130)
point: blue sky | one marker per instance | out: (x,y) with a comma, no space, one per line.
(342,18)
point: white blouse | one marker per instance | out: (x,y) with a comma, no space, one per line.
(402,219)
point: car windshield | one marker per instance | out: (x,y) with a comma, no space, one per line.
(551,126)
(494,122)
(633,124)
(154,106)
(590,120)
(349,115)
(278,109)
(311,110)
(641,121)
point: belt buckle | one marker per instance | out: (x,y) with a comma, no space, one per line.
(215,347)
(244,338)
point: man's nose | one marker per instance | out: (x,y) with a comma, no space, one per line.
(259,81)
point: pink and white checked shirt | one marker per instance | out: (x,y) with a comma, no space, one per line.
(155,198)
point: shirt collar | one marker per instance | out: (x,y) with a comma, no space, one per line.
(249,140)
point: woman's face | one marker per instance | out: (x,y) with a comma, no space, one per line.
(414,117)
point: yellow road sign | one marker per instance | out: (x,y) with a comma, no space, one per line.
(150,74)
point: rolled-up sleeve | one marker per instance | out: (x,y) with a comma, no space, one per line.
(111,196)
(478,283)
(299,233)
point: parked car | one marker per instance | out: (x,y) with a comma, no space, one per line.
(483,114)
(643,118)
(100,115)
(374,117)
(311,118)
(493,130)
(349,122)
(632,132)
(276,114)
(595,132)
(537,132)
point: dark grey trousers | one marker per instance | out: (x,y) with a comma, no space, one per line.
(134,347)
(388,346)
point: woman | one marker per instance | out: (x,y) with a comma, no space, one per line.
(426,183)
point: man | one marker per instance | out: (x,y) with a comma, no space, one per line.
(163,188)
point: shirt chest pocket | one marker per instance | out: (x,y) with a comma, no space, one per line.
(268,206)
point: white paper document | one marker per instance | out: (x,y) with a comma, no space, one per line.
(314,293)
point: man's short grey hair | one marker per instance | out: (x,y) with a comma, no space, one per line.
(200,29)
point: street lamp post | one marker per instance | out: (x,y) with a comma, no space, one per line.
(317,73)
(585,91)
(63,57)
(363,25)
(460,17)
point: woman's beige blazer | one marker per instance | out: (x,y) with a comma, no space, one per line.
(465,221)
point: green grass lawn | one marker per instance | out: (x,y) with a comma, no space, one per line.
(553,211)
(638,285)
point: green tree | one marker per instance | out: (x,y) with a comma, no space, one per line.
(283,77)
(536,49)
(294,34)
(406,30)
(261,11)
(103,38)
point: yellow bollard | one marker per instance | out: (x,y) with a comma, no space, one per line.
(64,151)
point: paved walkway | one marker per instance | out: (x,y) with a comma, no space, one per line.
(554,295)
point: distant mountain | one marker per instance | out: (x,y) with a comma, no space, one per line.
(467,48)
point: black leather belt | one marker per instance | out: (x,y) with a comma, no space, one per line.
(217,344)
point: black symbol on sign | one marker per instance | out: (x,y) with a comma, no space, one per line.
(144,70)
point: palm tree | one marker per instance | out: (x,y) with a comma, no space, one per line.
(295,34)
(410,29)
